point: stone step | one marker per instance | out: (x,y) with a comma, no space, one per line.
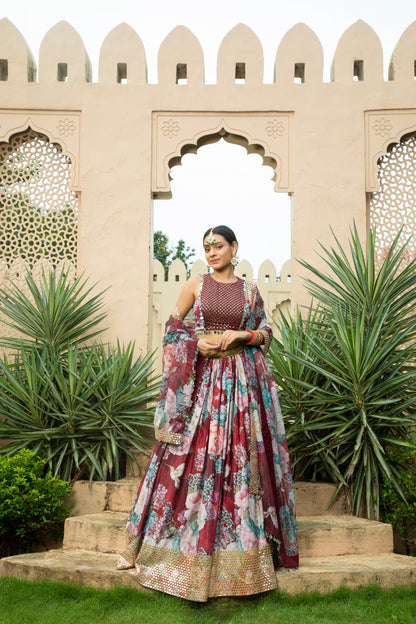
(312,499)
(315,574)
(319,536)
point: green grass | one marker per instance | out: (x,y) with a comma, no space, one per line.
(41,602)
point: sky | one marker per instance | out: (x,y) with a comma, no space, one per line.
(235,184)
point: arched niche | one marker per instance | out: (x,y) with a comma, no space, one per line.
(62,56)
(402,66)
(177,134)
(384,128)
(299,56)
(122,57)
(359,55)
(61,127)
(240,58)
(17,64)
(180,59)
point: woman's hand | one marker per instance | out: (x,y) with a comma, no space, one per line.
(232,338)
(207,348)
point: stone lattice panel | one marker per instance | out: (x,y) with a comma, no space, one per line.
(393,206)
(38,208)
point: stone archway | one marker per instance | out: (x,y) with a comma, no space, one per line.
(179,133)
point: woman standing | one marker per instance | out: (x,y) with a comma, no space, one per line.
(215,511)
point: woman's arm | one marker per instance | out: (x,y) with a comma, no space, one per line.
(187,297)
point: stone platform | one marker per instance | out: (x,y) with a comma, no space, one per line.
(335,549)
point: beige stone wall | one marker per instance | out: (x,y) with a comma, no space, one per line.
(322,139)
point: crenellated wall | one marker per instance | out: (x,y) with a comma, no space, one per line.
(123,135)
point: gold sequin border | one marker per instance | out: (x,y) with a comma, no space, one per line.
(199,577)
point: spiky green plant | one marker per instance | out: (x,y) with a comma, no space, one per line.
(84,407)
(356,369)
(57,312)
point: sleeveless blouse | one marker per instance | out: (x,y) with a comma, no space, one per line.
(222,304)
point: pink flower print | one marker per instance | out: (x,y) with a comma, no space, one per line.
(170,402)
(240,455)
(192,504)
(159,497)
(248,538)
(199,460)
(188,542)
(242,500)
(216,439)
(156,528)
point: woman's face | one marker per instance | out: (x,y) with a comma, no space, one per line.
(219,255)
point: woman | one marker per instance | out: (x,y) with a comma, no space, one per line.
(215,510)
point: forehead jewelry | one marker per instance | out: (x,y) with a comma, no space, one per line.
(211,238)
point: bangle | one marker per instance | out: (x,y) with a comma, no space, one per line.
(256,339)
(251,336)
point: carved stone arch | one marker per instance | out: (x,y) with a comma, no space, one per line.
(122,50)
(240,56)
(61,127)
(180,56)
(383,129)
(62,47)
(20,65)
(299,54)
(402,63)
(177,134)
(359,53)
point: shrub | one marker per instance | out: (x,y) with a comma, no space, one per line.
(32,503)
(402,514)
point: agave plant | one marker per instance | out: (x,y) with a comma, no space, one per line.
(82,407)
(356,369)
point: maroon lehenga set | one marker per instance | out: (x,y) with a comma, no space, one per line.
(215,511)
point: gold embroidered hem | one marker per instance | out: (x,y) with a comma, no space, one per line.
(199,577)
(168,436)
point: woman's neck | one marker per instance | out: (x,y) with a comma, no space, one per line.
(225,276)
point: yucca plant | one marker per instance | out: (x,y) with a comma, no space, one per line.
(84,407)
(57,312)
(359,389)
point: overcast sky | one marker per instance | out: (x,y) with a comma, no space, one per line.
(232,180)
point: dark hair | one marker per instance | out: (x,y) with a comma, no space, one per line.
(222,230)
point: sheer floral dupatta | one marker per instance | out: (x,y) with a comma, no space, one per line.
(175,397)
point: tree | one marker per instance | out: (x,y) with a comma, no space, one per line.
(166,254)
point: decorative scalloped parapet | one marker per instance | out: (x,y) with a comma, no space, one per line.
(180,59)
(198,268)
(402,64)
(62,56)
(177,271)
(358,55)
(17,64)
(122,57)
(177,133)
(267,272)
(240,57)
(244,269)
(382,128)
(158,271)
(299,55)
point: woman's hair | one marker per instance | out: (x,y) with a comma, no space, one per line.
(224,231)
